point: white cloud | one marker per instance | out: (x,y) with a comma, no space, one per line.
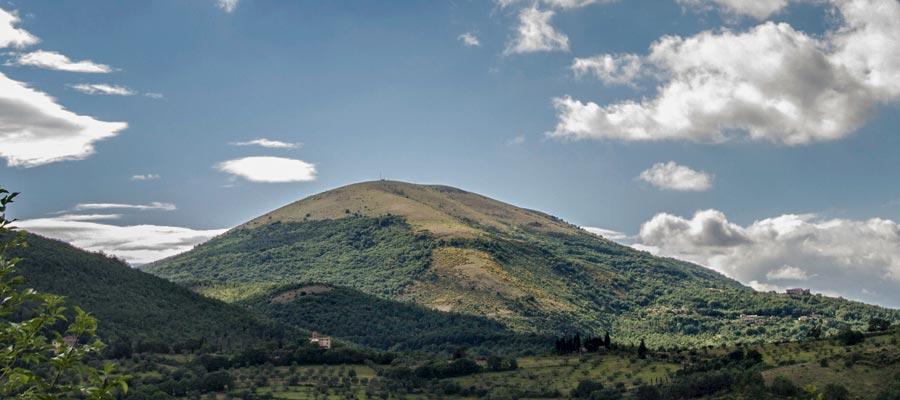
(766,287)
(469,39)
(10,36)
(274,144)
(35,130)
(770,83)
(227,5)
(607,233)
(516,141)
(138,244)
(145,177)
(535,33)
(787,273)
(566,4)
(102,88)
(56,61)
(153,95)
(87,217)
(759,9)
(112,206)
(618,69)
(269,169)
(837,256)
(671,176)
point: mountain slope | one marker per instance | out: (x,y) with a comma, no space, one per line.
(451,250)
(137,307)
(386,324)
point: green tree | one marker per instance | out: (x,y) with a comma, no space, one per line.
(835,391)
(36,360)
(585,388)
(891,392)
(815,333)
(879,324)
(783,386)
(850,337)
(646,392)
(642,350)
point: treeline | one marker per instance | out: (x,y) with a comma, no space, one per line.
(575,344)
(208,373)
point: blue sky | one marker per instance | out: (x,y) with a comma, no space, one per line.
(690,128)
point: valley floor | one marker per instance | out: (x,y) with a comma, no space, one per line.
(795,370)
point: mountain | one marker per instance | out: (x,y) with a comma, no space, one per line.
(454,251)
(135,307)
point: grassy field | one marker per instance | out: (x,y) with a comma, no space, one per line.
(547,375)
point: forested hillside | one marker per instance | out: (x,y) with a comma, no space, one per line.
(390,325)
(136,308)
(450,250)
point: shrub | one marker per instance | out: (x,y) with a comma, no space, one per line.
(784,387)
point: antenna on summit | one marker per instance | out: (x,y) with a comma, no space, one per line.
(380,176)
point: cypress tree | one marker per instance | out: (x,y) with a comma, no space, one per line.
(642,350)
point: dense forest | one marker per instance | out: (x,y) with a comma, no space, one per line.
(139,310)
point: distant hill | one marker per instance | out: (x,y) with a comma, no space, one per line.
(451,250)
(136,307)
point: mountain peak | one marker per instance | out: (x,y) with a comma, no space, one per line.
(443,211)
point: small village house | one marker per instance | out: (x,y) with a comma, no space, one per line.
(323,342)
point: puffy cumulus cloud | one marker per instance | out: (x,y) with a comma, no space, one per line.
(833,256)
(102,88)
(269,169)
(137,244)
(469,39)
(671,176)
(759,9)
(535,33)
(770,83)
(119,206)
(35,130)
(10,36)
(272,144)
(227,5)
(618,69)
(55,61)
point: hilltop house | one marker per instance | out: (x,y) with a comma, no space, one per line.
(323,342)
(798,291)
